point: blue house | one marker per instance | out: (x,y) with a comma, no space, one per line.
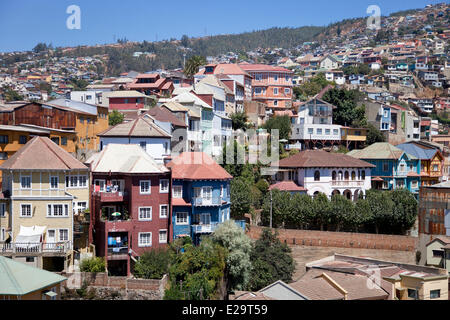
(395,169)
(200,195)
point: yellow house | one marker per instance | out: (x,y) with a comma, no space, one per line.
(43,187)
(355,136)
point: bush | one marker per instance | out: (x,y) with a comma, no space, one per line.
(153,264)
(96,264)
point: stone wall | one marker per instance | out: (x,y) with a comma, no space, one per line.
(342,239)
(116,288)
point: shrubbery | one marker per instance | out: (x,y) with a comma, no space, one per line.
(95,264)
(152,264)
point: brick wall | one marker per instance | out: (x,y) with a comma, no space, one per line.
(342,239)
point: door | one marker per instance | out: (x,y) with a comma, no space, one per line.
(51,239)
(207,195)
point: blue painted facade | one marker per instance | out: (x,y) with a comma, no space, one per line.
(206,203)
(398,173)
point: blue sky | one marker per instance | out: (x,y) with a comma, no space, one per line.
(25,23)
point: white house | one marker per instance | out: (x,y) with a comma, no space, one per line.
(143,132)
(319,171)
(330,62)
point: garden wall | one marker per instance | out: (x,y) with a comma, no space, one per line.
(341,239)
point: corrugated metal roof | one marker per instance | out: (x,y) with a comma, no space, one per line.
(124,158)
(415,150)
(379,150)
(76,105)
(140,127)
(18,279)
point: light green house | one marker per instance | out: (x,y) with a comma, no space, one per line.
(19,281)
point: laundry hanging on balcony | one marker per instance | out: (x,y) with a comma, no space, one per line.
(29,237)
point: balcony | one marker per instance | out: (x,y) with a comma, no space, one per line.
(204,228)
(35,249)
(203,202)
(117,196)
(347,183)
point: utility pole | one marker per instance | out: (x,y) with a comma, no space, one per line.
(271,209)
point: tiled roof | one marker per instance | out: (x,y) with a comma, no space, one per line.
(41,153)
(322,159)
(229,68)
(141,127)
(180,202)
(197,166)
(287,186)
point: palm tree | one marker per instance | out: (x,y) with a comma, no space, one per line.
(193,64)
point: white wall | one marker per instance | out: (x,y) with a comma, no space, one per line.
(155,147)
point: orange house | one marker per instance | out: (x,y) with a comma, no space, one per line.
(271,85)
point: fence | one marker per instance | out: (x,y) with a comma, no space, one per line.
(342,239)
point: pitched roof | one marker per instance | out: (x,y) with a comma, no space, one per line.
(421,153)
(320,158)
(287,186)
(18,279)
(230,68)
(125,94)
(140,127)
(379,150)
(41,153)
(164,115)
(197,166)
(124,158)
(323,285)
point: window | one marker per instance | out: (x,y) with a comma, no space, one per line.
(353,175)
(275,91)
(163,211)
(63,234)
(275,78)
(3,155)
(317,175)
(434,294)
(319,131)
(81,206)
(177,191)
(310,130)
(346,176)
(145,239)
(145,213)
(162,236)
(143,145)
(2,234)
(55,140)
(258,91)
(57,210)
(333,175)
(363,175)
(258,77)
(73,181)
(435,167)
(2,209)
(275,102)
(287,90)
(54,182)
(82,181)
(385,166)
(4,139)
(99,185)
(145,187)
(335,131)
(163,185)
(25,182)
(438,254)
(413,294)
(29,259)
(25,210)
(22,139)
(414,184)
(182,218)
(287,78)
(64,141)
(327,132)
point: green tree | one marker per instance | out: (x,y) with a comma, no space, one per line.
(193,64)
(322,211)
(95,264)
(238,265)
(374,135)
(11,95)
(302,212)
(347,112)
(115,118)
(281,123)
(239,121)
(363,214)
(241,197)
(381,206)
(271,261)
(404,209)
(152,264)
(343,212)
(281,209)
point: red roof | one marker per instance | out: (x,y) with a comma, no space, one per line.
(287,186)
(179,202)
(197,166)
(322,159)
